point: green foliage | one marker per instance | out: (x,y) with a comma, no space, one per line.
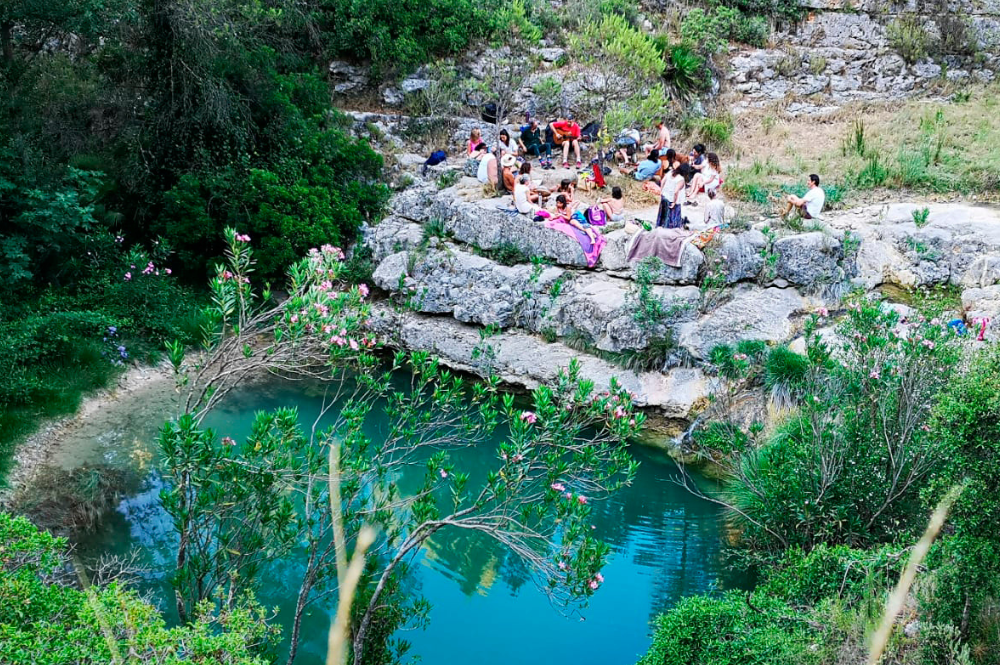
(448,178)
(908,37)
(43,621)
(783,10)
(729,630)
(711,30)
(920,217)
(685,70)
(649,309)
(832,572)
(856,142)
(849,465)
(874,173)
(507,254)
(785,371)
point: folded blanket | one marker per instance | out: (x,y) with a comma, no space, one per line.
(591,251)
(666,244)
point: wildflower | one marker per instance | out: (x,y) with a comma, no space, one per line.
(226,275)
(529,417)
(619,412)
(226,441)
(444,474)
(128,277)
(599,577)
(518,457)
(594,584)
(168,271)
(562,565)
(295,318)
(582,499)
(568,495)
(242,237)
(874,374)
(558,487)
(823,311)
(112,330)
(740,356)
(354,345)
(119,239)
(363,290)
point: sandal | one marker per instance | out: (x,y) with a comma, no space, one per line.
(565,165)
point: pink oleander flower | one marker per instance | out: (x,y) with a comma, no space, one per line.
(226,275)
(823,311)
(444,474)
(562,565)
(518,457)
(327,329)
(128,277)
(599,578)
(338,340)
(568,495)
(226,441)
(295,318)
(582,499)
(927,343)
(529,417)
(619,412)
(594,584)
(326,286)
(354,345)
(874,375)
(631,422)
(241,237)
(363,290)
(739,356)
(168,271)
(558,487)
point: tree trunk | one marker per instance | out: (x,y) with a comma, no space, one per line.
(300,608)
(7,40)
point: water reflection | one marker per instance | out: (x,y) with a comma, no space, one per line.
(665,545)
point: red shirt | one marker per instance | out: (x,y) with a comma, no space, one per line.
(568,127)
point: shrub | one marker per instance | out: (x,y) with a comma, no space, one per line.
(785,371)
(685,70)
(728,630)
(908,37)
(920,217)
(43,622)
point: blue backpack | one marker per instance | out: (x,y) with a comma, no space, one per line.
(436,158)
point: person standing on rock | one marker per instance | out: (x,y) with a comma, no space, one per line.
(809,206)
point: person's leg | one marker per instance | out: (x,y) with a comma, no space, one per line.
(565,147)
(576,149)
(789,204)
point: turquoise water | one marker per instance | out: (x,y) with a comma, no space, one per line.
(666,545)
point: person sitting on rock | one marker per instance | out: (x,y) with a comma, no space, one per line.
(613,206)
(715,211)
(648,167)
(567,187)
(475,139)
(507,144)
(568,132)
(536,193)
(532,145)
(522,196)
(564,213)
(662,136)
(487,172)
(809,206)
(507,164)
(697,158)
(708,179)
(628,146)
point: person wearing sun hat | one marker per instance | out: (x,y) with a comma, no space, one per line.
(507,164)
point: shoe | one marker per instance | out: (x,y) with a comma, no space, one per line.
(565,165)
(579,165)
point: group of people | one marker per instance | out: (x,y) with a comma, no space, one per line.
(676,178)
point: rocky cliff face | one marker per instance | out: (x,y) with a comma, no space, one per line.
(526,320)
(844,51)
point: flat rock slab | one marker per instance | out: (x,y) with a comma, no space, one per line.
(525,360)
(752,314)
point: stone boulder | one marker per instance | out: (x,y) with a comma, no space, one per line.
(346,77)
(472,288)
(392,235)
(742,255)
(809,259)
(752,314)
(983,303)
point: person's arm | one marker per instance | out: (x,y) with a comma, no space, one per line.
(677,190)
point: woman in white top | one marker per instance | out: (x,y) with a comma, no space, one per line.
(672,197)
(487,172)
(521,196)
(709,178)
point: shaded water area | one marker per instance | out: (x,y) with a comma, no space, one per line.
(665,542)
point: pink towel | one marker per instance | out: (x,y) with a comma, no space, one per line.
(591,251)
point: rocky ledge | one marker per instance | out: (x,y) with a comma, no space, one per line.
(437,257)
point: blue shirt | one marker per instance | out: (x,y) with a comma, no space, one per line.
(646,169)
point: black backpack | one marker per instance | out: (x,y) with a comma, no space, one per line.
(590,131)
(489,113)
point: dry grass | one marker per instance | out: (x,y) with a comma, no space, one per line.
(928,148)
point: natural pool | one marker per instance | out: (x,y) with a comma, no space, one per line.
(666,544)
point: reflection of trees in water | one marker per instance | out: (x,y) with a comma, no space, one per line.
(668,531)
(469,558)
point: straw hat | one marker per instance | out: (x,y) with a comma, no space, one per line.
(508,160)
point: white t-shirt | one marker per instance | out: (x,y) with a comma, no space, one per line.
(682,194)
(814,200)
(710,177)
(715,213)
(483,174)
(521,201)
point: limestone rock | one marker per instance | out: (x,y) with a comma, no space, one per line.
(808,259)
(983,303)
(753,313)
(347,77)
(742,255)
(526,360)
